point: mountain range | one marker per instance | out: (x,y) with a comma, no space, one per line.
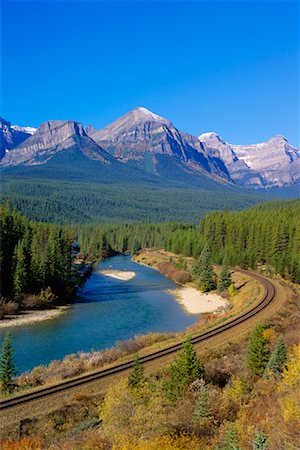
(144,145)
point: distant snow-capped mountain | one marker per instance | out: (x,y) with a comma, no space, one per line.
(12,136)
(267,164)
(51,138)
(27,130)
(151,145)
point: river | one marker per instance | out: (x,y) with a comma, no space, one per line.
(105,311)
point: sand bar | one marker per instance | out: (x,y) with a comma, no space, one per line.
(196,302)
(29,317)
(118,274)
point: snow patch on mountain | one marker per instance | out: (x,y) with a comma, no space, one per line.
(28,130)
(148,113)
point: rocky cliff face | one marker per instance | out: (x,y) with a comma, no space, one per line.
(154,144)
(54,137)
(11,136)
(268,164)
(275,160)
(142,144)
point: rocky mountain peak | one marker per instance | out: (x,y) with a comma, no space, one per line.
(140,120)
(4,123)
(89,129)
(60,129)
(212,139)
(145,114)
(10,136)
(278,138)
(56,137)
(54,132)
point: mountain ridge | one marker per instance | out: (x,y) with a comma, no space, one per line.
(273,163)
(151,144)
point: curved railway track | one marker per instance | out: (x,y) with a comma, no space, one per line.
(268,296)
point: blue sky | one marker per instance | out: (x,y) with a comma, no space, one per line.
(230,67)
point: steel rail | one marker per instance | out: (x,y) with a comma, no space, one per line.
(269,293)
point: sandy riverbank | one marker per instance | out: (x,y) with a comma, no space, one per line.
(29,317)
(196,302)
(118,274)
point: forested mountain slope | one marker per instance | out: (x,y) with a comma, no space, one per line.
(77,201)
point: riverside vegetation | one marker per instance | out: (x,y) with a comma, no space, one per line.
(242,395)
(38,267)
(38,258)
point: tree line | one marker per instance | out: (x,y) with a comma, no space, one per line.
(267,234)
(37,256)
(102,240)
(37,259)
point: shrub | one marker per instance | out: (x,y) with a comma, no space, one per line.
(231,290)
(9,308)
(46,299)
(26,443)
(128,415)
(181,276)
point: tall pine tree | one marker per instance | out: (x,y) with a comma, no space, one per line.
(202,412)
(225,278)
(185,369)
(258,352)
(7,367)
(21,270)
(136,376)
(277,359)
(203,271)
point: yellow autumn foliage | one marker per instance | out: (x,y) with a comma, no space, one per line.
(238,388)
(291,373)
(290,409)
(231,290)
(131,414)
(168,442)
(269,334)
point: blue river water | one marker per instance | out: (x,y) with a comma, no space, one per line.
(105,311)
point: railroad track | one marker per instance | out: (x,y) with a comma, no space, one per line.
(268,296)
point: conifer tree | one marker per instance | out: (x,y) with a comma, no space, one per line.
(225,278)
(21,269)
(260,441)
(185,369)
(135,247)
(136,376)
(258,353)
(203,271)
(231,440)
(7,367)
(36,264)
(180,263)
(277,359)
(202,410)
